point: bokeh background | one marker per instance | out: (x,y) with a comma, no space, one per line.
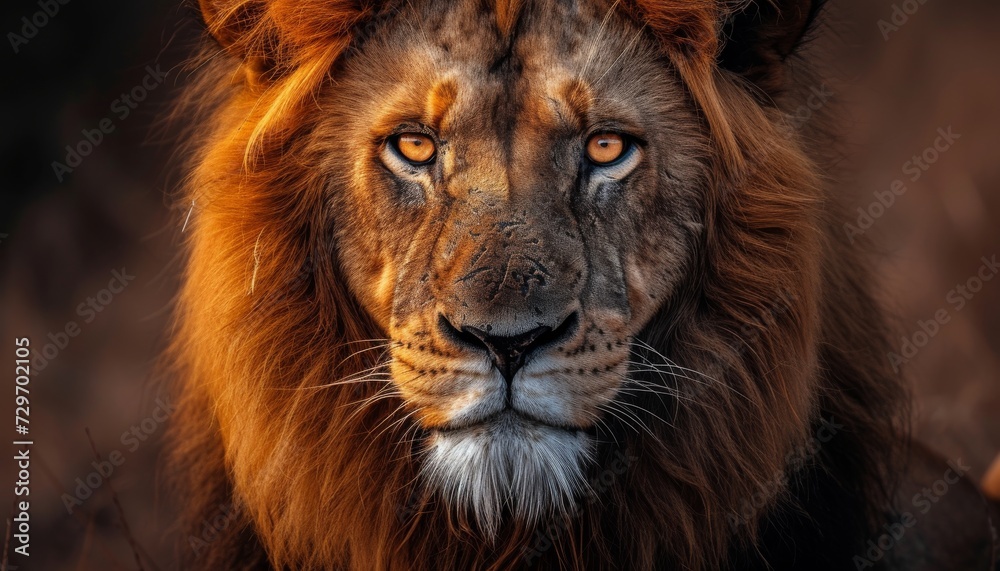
(61,240)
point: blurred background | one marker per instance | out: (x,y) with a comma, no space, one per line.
(89,258)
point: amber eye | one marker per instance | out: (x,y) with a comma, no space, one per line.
(606,148)
(416,148)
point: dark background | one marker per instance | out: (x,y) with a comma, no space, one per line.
(61,241)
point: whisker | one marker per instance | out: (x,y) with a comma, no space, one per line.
(366,350)
(616,406)
(379,435)
(627,49)
(373,378)
(647,390)
(369,375)
(377,340)
(636,367)
(364,404)
(364,372)
(625,420)
(662,389)
(666,360)
(401,406)
(672,365)
(647,411)
(601,423)
(598,38)
(639,407)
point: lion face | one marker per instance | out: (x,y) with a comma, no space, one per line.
(547,213)
(512,207)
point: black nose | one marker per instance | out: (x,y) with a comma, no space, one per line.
(509,353)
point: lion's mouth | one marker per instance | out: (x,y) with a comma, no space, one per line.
(506,420)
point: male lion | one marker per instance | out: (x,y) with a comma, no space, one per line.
(492,284)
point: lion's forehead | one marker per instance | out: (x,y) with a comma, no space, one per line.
(476,32)
(449,64)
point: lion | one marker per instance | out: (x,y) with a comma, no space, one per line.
(517,284)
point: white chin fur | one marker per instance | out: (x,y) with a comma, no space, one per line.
(534,470)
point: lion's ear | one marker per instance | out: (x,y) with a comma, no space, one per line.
(752,38)
(272,37)
(227,22)
(760,36)
(241,28)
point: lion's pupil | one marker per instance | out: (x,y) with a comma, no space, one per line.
(605,148)
(416,148)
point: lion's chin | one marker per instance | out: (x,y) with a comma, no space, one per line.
(508,465)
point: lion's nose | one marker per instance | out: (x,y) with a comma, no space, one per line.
(508,353)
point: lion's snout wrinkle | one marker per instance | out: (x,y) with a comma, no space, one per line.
(502,269)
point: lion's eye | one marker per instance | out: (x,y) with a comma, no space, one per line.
(606,148)
(416,148)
